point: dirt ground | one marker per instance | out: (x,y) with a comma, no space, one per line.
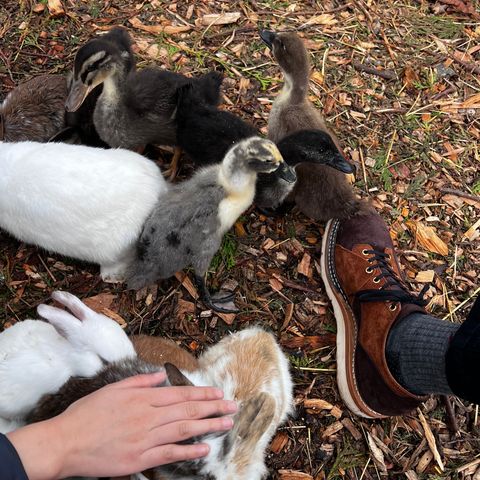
(399,82)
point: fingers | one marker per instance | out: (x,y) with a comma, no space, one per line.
(183,430)
(173,395)
(193,411)
(173,453)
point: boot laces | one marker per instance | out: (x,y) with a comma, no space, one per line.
(399,291)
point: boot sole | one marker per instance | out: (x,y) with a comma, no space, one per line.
(346,330)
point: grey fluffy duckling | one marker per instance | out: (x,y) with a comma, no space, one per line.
(320,192)
(35,110)
(188,223)
(135,108)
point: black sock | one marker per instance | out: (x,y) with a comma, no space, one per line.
(416,350)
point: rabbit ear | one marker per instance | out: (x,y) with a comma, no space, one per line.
(74,304)
(176,377)
(250,424)
(63,322)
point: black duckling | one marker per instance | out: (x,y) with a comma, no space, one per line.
(207,133)
(35,110)
(321,192)
(135,108)
(306,148)
(188,223)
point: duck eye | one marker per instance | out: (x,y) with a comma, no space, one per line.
(91,68)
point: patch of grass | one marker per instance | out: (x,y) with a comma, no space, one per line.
(348,457)
(227,253)
(476,187)
(415,186)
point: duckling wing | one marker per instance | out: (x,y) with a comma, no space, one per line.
(152,91)
(183,230)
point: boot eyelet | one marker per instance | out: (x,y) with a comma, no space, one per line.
(365,252)
(376,280)
(369,270)
(392,307)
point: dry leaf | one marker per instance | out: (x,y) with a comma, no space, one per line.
(304,266)
(323,19)
(425,277)
(428,239)
(377,453)
(115,316)
(472,232)
(100,301)
(157,29)
(431,440)
(220,18)
(55,8)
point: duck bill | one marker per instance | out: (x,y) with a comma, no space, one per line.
(287,173)
(268,37)
(78,93)
(339,163)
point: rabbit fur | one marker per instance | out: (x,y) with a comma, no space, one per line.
(250,368)
(83,202)
(37,358)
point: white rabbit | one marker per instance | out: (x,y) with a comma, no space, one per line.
(250,368)
(83,202)
(37,358)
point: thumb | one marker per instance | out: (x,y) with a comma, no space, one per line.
(142,381)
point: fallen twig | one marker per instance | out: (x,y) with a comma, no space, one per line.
(459,193)
(386,74)
(451,419)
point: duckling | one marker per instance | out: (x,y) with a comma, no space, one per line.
(135,108)
(299,150)
(187,225)
(35,110)
(206,133)
(320,192)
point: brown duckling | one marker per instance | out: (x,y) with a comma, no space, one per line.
(35,110)
(320,192)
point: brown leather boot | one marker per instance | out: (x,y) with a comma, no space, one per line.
(364,282)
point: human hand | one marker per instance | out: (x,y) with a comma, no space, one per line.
(123,428)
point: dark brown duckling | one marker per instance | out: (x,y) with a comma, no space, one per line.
(321,193)
(35,110)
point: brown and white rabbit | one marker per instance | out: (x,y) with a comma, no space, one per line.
(249,366)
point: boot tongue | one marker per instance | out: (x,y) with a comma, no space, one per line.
(364,229)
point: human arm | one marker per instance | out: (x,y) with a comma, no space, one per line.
(121,429)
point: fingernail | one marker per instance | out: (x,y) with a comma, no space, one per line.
(218,393)
(231,406)
(203,450)
(227,423)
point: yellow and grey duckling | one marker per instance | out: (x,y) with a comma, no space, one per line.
(320,192)
(188,223)
(135,108)
(35,110)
